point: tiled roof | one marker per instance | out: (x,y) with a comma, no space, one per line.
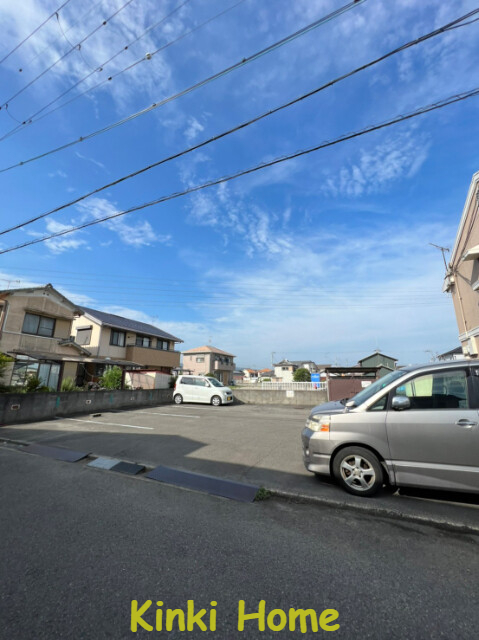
(118,322)
(208,349)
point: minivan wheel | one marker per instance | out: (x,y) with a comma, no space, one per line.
(358,471)
(178,399)
(216,401)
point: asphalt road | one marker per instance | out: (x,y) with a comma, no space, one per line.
(257,444)
(79,544)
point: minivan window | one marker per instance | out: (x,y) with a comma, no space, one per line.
(373,388)
(440,390)
(215,382)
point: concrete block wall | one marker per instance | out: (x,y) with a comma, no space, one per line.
(308,398)
(32,407)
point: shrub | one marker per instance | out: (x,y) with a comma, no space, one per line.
(302,375)
(34,384)
(111,379)
(68,384)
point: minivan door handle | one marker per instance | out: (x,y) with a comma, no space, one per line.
(465,423)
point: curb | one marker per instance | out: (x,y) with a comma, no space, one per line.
(301,498)
(379,512)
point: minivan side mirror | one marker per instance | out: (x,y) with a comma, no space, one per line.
(400,403)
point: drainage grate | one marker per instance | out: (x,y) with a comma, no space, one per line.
(67,455)
(208,484)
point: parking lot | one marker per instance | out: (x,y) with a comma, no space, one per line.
(256,444)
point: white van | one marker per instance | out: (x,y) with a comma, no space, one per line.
(201,389)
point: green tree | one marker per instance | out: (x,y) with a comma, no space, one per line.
(111,379)
(302,375)
(210,375)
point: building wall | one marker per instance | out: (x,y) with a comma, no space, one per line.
(284,375)
(466,274)
(147,357)
(224,372)
(13,314)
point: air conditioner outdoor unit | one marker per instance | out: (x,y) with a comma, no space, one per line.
(471,347)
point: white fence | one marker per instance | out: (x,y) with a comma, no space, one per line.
(293,386)
(147,380)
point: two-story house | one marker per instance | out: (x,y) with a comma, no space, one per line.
(284,370)
(208,359)
(385,364)
(115,339)
(462,273)
(35,329)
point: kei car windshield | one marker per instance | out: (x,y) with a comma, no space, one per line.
(373,388)
(215,382)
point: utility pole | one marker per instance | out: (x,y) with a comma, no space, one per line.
(273,353)
(443,251)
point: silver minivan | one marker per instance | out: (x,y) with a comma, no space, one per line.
(415,427)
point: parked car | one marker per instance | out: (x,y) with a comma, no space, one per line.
(415,427)
(201,389)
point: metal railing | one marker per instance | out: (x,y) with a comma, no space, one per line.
(293,386)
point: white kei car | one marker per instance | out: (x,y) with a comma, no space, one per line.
(201,389)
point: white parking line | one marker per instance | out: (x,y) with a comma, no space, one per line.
(112,424)
(172,415)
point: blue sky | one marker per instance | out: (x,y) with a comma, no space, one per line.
(325,257)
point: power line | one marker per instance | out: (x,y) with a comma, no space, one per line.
(203,82)
(408,116)
(172,284)
(34,31)
(99,68)
(77,46)
(59,37)
(238,127)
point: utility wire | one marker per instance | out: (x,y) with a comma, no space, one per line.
(62,35)
(350,136)
(77,46)
(238,127)
(98,69)
(174,282)
(206,81)
(34,31)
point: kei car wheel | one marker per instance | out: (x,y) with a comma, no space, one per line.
(358,471)
(178,398)
(216,401)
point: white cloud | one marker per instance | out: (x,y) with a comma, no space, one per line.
(57,174)
(233,215)
(193,129)
(136,235)
(397,158)
(64,243)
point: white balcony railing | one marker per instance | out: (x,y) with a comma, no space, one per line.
(293,386)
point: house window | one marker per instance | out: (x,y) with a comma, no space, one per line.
(143,341)
(46,371)
(200,359)
(84,336)
(38,325)
(117,338)
(162,344)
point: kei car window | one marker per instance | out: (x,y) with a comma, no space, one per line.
(440,390)
(201,382)
(187,381)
